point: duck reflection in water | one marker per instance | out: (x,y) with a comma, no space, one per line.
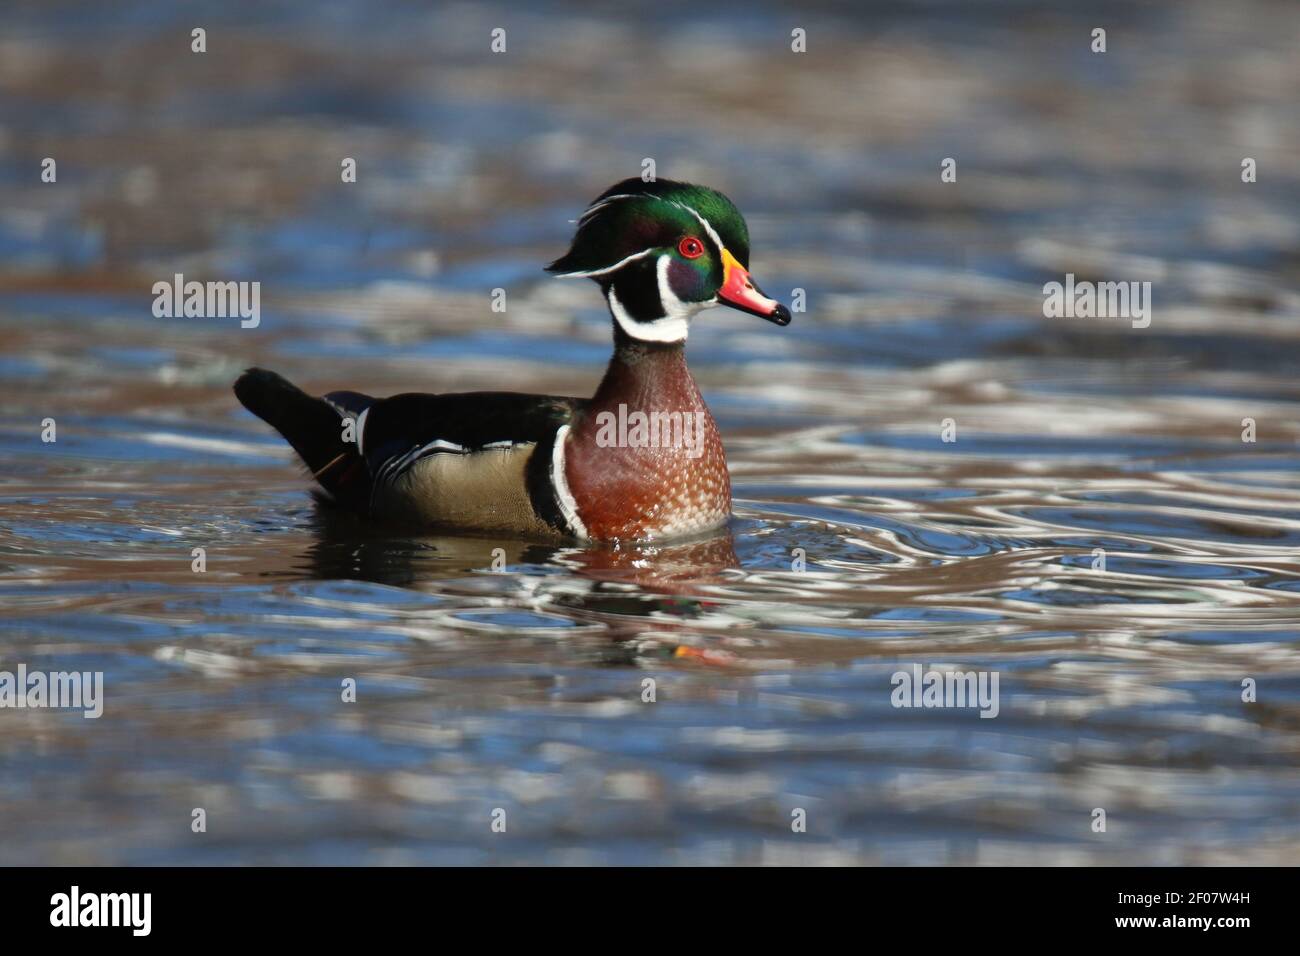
(672,581)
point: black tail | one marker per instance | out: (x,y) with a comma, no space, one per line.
(314,428)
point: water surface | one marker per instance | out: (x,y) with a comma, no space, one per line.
(862,543)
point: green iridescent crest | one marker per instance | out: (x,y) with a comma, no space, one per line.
(635,218)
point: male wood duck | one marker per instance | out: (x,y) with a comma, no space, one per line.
(537,465)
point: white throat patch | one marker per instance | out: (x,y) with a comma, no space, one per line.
(669,328)
(673,326)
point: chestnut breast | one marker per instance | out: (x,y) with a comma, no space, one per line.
(646,461)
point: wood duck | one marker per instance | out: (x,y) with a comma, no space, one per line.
(640,460)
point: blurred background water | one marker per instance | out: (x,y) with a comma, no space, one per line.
(522,689)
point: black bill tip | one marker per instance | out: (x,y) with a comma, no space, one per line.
(780,316)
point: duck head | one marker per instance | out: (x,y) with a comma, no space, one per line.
(663,251)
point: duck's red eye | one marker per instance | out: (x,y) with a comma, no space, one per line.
(691,247)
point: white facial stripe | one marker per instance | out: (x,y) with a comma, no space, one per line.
(600,272)
(673,306)
(666,297)
(597,207)
(568,506)
(708,227)
(670,328)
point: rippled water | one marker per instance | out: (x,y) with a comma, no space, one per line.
(521,689)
